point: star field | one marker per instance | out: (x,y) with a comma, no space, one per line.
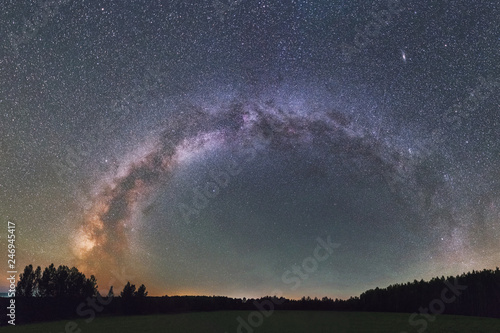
(202,147)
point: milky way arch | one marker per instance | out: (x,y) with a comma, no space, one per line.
(103,239)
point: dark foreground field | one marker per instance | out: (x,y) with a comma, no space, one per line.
(284,321)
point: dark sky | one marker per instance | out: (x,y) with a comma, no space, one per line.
(203,147)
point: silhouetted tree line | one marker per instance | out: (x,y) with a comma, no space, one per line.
(60,282)
(58,293)
(51,294)
(476,293)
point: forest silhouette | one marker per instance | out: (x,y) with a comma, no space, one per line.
(66,293)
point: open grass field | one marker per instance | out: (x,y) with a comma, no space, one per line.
(282,322)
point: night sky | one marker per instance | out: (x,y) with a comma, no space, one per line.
(203,147)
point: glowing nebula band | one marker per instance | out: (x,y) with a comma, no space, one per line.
(102,238)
